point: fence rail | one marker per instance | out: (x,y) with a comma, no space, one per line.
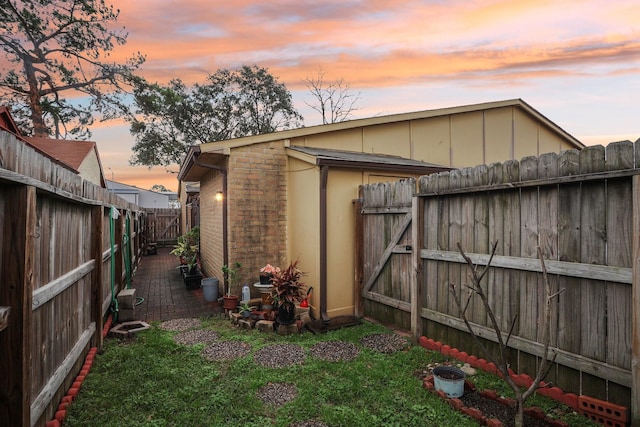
(579,207)
(64,256)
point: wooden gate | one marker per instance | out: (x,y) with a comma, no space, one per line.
(386,253)
(162,226)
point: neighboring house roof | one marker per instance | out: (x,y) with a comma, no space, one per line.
(80,157)
(73,154)
(70,152)
(139,196)
(323,156)
(7,123)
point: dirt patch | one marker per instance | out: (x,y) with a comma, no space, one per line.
(491,408)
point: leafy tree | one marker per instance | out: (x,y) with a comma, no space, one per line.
(229,104)
(56,47)
(333,100)
(159,188)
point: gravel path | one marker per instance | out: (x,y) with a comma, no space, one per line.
(277,394)
(180,324)
(226,350)
(384,343)
(195,336)
(335,351)
(309,423)
(279,355)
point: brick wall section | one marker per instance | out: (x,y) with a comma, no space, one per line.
(211,226)
(257,196)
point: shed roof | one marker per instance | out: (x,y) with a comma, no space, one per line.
(215,151)
(393,118)
(354,159)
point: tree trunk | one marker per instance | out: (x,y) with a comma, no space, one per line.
(519,421)
(37,117)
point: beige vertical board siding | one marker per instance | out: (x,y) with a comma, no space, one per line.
(303,207)
(341,190)
(498,134)
(619,244)
(548,141)
(466,146)
(376,139)
(525,142)
(548,239)
(530,283)
(432,140)
(593,251)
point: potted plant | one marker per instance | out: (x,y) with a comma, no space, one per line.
(245,309)
(231,277)
(266,273)
(187,247)
(287,291)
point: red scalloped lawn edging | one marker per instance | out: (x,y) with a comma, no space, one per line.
(61,412)
(477,415)
(600,411)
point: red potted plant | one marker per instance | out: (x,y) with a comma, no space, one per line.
(287,291)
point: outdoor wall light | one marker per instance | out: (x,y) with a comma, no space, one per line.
(219,196)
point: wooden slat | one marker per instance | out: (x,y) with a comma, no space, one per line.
(635,307)
(569,269)
(619,252)
(417,238)
(593,251)
(16,290)
(55,287)
(55,381)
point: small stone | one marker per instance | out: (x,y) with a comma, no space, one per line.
(467,369)
(246,323)
(235,317)
(288,329)
(264,325)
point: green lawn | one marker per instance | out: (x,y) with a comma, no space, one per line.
(152,381)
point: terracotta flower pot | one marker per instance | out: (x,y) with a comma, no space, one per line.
(230,302)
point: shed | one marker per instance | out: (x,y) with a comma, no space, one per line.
(290,195)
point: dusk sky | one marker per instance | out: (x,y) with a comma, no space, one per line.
(577,62)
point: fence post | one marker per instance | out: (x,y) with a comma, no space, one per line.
(97,222)
(359,257)
(417,242)
(635,306)
(16,291)
(119,233)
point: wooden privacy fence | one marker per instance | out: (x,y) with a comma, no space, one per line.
(63,259)
(162,225)
(582,208)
